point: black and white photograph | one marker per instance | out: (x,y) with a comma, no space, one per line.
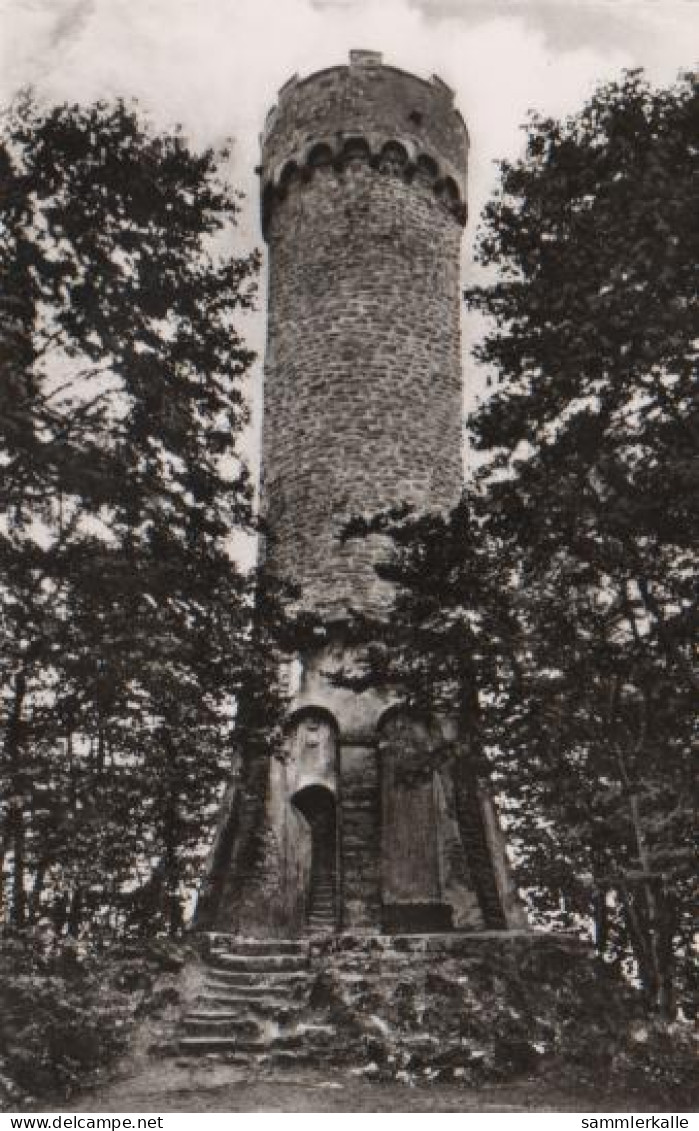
(349,560)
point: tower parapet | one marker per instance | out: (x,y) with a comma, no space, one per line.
(391,118)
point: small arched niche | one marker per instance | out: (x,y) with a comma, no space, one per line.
(451,190)
(393,157)
(355,149)
(319,155)
(448,191)
(427,169)
(311,749)
(288,174)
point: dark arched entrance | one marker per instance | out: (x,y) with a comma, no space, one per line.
(317,804)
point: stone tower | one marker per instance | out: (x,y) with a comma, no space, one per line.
(363,183)
(363,186)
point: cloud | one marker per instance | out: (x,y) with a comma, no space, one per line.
(566,26)
(216,65)
(71,20)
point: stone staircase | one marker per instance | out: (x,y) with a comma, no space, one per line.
(321,915)
(252,1004)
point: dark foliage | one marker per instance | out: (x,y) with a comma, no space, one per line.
(61,1021)
(127,628)
(555,612)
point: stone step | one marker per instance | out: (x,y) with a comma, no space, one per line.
(228,1024)
(258,1004)
(253,980)
(197,1046)
(241,982)
(250,1005)
(262,991)
(230,944)
(356,794)
(335,1053)
(308,1040)
(237,1059)
(260,963)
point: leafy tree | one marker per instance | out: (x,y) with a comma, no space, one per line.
(126,625)
(562,594)
(593,431)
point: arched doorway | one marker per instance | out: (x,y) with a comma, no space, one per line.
(317,805)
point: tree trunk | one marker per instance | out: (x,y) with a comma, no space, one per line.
(662,972)
(75,913)
(645,920)
(172,906)
(37,890)
(15,817)
(3,856)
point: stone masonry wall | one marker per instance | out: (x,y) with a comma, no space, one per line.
(361,843)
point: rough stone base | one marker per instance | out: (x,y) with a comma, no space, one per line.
(474,1007)
(469,1009)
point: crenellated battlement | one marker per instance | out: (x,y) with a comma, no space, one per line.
(397,122)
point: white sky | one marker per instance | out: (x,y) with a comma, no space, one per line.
(215,65)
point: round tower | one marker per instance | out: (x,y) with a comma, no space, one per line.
(363,206)
(358,828)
